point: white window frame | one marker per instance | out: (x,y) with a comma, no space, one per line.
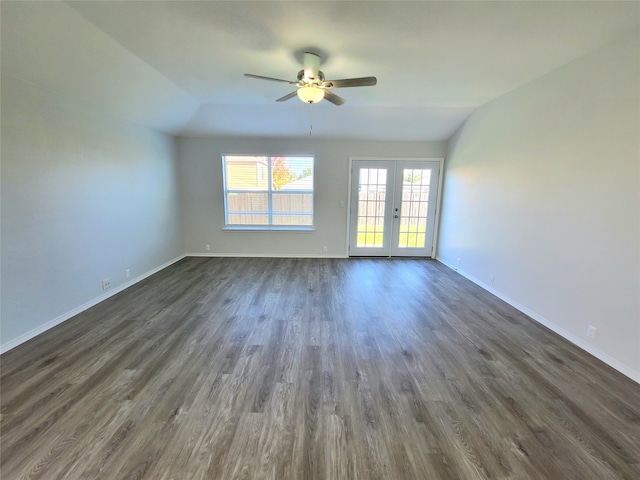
(269,192)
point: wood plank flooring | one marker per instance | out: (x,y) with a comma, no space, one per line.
(312,369)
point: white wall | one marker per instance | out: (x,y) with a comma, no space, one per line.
(202,194)
(542,190)
(84,197)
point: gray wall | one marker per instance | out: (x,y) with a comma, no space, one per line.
(202,194)
(542,191)
(84,197)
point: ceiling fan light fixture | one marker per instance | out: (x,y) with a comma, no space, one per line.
(310,94)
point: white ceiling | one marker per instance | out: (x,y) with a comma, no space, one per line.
(178,66)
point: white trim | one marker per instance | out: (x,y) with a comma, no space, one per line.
(85,306)
(396,158)
(436,227)
(268,228)
(599,354)
(267,255)
(349,175)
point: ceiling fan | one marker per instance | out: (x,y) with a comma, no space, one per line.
(311,83)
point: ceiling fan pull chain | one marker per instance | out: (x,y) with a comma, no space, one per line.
(310,118)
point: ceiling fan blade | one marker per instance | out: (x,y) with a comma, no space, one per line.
(260,77)
(333,98)
(351,82)
(287,96)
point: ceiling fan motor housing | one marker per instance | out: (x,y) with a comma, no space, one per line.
(311,63)
(317,80)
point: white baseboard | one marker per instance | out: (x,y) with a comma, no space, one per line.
(72,313)
(266,255)
(599,354)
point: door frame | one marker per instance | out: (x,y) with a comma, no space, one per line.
(436,228)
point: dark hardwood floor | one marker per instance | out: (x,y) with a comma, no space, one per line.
(312,369)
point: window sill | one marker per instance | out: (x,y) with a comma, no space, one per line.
(265,228)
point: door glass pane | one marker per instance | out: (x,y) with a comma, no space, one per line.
(372,191)
(414,207)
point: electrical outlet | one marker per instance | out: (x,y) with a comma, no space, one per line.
(325,249)
(592,332)
(127,273)
(207,247)
(491,279)
(106,283)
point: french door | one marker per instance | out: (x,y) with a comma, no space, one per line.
(393,208)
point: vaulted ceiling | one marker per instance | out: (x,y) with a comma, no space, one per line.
(178,66)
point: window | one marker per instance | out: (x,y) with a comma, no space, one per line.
(268,192)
